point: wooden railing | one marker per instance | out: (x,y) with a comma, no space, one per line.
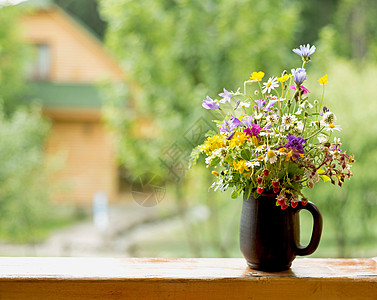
(148,279)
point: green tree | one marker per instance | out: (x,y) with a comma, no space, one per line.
(23,174)
(174,53)
(179,51)
(13,56)
(354,24)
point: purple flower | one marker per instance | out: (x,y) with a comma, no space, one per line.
(296,144)
(260,103)
(226,96)
(270,104)
(299,75)
(230,136)
(236,122)
(231,125)
(248,121)
(210,104)
(226,127)
(305,51)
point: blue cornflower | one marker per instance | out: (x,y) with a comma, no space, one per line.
(305,51)
(299,75)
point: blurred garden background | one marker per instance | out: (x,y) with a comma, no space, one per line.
(100,106)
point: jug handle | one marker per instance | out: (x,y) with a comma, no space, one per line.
(317,228)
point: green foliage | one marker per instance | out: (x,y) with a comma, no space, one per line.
(179,51)
(24,188)
(13,56)
(350,212)
(354,24)
(23,177)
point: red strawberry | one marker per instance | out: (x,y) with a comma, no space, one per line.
(284,206)
(294,204)
(281,201)
(276,190)
(259,180)
(275,184)
(265,173)
(260,190)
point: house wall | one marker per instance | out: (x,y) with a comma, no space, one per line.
(76,55)
(78,136)
(87,161)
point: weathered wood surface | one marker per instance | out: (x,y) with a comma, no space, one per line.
(148,279)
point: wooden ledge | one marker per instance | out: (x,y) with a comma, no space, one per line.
(211,278)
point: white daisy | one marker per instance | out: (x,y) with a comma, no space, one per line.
(331,127)
(272,119)
(288,120)
(322,138)
(270,85)
(251,164)
(271,156)
(329,118)
(299,127)
(243,104)
(260,148)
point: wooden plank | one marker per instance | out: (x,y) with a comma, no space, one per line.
(110,278)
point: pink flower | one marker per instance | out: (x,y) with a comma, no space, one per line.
(303,89)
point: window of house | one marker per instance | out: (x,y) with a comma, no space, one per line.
(40,64)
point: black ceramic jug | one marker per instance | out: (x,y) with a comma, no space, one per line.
(270,236)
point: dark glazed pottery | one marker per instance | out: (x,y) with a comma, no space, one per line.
(270,236)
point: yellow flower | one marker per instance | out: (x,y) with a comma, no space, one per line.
(212,143)
(257,76)
(323,80)
(255,140)
(240,166)
(284,77)
(290,155)
(238,139)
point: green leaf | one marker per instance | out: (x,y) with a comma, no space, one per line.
(234,195)
(194,157)
(245,154)
(324,177)
(210,133)
(215,161)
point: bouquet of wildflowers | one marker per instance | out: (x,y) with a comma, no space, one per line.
(274,139)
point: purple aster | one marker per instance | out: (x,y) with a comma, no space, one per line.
(226,96)
(248,121)
(305,51)
(299,75)
(210,104)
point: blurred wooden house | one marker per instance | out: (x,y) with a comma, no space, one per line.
(69,63)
